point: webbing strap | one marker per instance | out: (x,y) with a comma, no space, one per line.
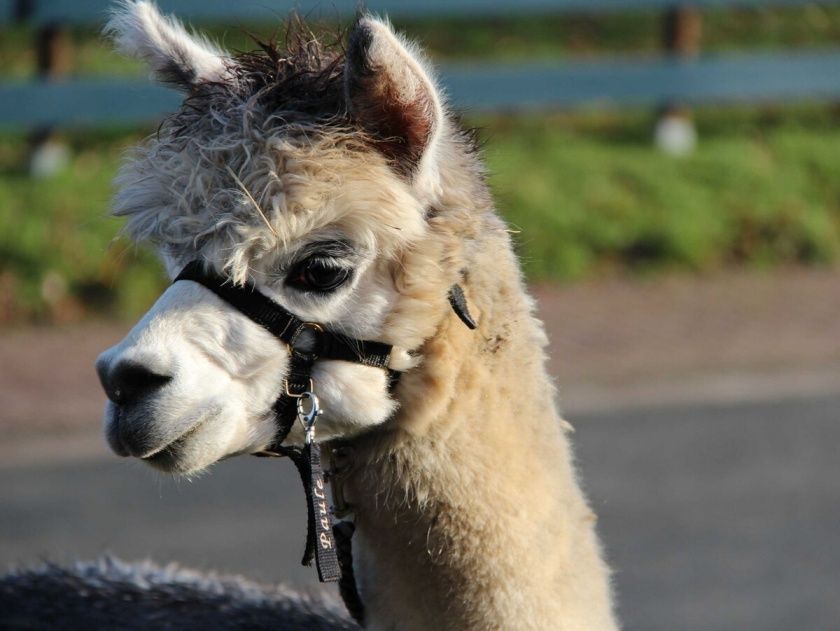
(320,540)
(343,533)
(257,307)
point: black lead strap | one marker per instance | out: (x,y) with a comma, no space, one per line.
(320,541)
(320,520)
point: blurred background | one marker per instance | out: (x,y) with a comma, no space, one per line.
(673,172)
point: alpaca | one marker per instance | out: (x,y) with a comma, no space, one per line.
(337,183)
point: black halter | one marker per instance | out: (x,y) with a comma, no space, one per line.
(327,543)
(307,341)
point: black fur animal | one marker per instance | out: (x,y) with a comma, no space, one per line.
(111,594)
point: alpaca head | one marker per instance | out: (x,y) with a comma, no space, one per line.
(316,175)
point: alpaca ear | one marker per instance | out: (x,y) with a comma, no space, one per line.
(177,58)
(393,97)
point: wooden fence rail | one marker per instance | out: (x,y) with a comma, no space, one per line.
(55,99)
(91,11)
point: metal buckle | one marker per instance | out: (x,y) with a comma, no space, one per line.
(314,326)
(297,396)
(308,418)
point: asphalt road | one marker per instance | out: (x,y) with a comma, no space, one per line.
(714,517)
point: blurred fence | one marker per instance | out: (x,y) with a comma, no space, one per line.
(681,74)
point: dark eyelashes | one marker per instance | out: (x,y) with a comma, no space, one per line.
(328,250)
(320,267)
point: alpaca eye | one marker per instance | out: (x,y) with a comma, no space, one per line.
(318,275)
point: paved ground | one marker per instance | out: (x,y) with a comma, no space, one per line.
(708,416)
(715,518)
(721,517)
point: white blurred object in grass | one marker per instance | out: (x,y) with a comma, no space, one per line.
(675,134)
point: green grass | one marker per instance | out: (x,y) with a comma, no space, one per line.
(610,203)
(58,253)
(589,194)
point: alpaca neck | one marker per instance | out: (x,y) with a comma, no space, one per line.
(467,509)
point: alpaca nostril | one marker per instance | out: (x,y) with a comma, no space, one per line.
(129,381)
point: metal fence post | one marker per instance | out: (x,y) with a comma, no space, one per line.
(682,30)
(54,60)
